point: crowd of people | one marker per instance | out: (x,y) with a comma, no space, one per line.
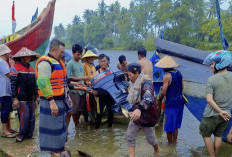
(63,90)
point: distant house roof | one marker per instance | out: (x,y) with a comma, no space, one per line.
(181,51)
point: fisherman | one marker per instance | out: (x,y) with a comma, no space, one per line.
(89,70)
(5,92)
(52,83)
(219,102)
(123,64)
(174,104)
(24,91)
(75,73)
(88,64)
(144,110)
(105,98)
(146,64)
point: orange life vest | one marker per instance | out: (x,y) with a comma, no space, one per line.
(58,75)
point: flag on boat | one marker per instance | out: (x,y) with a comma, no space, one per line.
(13,19)
(34,16)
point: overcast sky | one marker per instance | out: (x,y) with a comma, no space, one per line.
(64,11)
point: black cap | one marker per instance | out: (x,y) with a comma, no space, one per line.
(134,67)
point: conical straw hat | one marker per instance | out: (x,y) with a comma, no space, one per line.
(23,52)
(89,53)
(4,49)
(167,62)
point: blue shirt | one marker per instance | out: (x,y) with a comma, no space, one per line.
(5,85)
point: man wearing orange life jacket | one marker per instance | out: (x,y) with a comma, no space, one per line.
(52,83)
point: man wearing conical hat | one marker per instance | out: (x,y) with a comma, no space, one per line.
(88,65)
(174,103)
(89,70)
(24,91)
(5,92)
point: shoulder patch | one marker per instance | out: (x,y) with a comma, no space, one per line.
(53,61)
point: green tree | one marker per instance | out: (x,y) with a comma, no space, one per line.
(76,20)
(88,14)
(59,32)
(101,10)
(94,32)
(143,14)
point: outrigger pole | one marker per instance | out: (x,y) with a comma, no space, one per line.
(225,44)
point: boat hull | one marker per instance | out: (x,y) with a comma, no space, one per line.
(36,38)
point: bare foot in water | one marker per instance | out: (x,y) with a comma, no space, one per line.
(156,149)
(96,132)
(54,154)
(110,129)
(67,132)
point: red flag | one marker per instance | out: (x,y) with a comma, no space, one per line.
(13,20)
(13,12)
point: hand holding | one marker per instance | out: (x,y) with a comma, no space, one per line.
(54,108)
(135,115)
(78,84)
(94,92)
(225,115)
(38,100)
(16,102)
(87,78)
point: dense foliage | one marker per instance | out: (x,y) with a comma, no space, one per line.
(189,22)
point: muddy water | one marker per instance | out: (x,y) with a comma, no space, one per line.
(113,143)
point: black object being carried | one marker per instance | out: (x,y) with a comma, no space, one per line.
(116,85)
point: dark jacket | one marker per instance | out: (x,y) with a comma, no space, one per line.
(147,106)
(23,82)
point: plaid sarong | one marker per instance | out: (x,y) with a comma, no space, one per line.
(52,129)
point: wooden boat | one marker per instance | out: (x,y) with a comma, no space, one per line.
(195,75)
(34,36)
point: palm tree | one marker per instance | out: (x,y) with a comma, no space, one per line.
(76,20)
(88,15)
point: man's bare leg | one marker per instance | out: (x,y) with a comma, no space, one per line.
(175,136)
(76,119)
(217,144)
(170,137)
(68,117)
(209,145)
(4,129)
(132,151)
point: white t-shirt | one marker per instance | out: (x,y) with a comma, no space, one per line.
(5,86)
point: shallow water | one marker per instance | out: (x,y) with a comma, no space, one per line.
(190,143)
(113,143)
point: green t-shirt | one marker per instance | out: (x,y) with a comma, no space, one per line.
(75,69)
(220,85)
